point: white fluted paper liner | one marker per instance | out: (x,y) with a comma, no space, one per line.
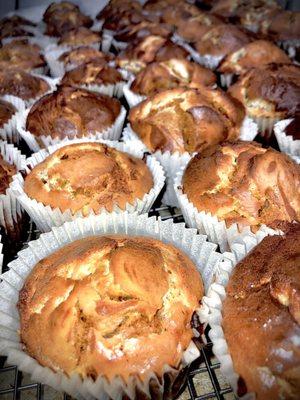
(265,124)
(286,143)
(8,132)
(226,80)
(201,252)
(118,45)
(210,311)
(10,209)
(206,223)
(52,54)
(290,46)
(1,253)
(132,98)
(172,162)
(36,143)
(46,217)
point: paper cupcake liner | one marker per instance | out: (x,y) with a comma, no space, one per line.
(195,246)
(118,45)
(1,254)
(132,98)
(290,46)
(37,143)
(265,125)
(226,80)
(211,310)
(9,132)
(10,209)
(286,143)
(206,223)
(46,217)
(51,54)
(172,162)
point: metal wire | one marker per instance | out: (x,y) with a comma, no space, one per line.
(205,368)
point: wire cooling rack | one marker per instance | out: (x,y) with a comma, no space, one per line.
(204,379)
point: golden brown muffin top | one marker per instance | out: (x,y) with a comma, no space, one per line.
(173,14)
(7,171)
(92,73)
(186,119)
(22,84)
(81,55)
(244,184)
(64,16)
(15,20)
(261,315)
(149,49)
(117,7)
(21,54)
(116,305)
(194,28)
(221,40)
(141,30)
(253,55)
(7,110)
(70,112)
(81,36)
(274,88)
(170,74)
(87,177)
(284,26)
(231,8)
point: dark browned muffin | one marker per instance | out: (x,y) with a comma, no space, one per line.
(13,31)
(16,20)
(261,316)
(72,112)
(92,73)
(194,28)
(181,12)
(117,7)
(21,54)
(145,28)
(64,16)
(7,110)
(151,48)
(21,84)
(83,55)
(81,36)
(284,26)
(7,171)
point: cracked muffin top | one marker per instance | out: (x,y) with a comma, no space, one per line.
(171,74)
(7,110)
(79,37)
(283,26)
(70,112)
(244,184)
(87,177)
(21,54)
(194,28)
(64,16)
(174,15)
(145,28)
(92,73)
(117,7)
(186,119)
(151,48)
(253,55)
(270,91)
(110,306)
(21,84)
(7,171)
(261,315)
(81,55)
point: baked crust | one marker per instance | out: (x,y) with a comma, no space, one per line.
(170,74)
(21,54)
(7,171)
(284,26)
(81,36)
(70,112)
(145,28)
(261,315)
(244,184)
(271,91)
(109,306)
(7,110)
(194,28)
(186,119)
(21,84)
(81,55)
(87,177)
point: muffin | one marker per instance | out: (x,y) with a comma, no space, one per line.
(21,54)
(141,30)
(80,37)
(64,16)
(72,112)
(16,20)
(220,41)
(7,171)
(152,48)
(104,178)
(175,14)
(117,7)
(253,55)
(9,30)
(261,312)
(244,184)
(269,93)
(22,84)
(284,26)
(116,290)
(194,28)
(232,8)
(92,73)
(170,74)
(7,111)
(81,55)
(186,120)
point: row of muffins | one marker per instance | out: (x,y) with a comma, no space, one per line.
(58,179)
